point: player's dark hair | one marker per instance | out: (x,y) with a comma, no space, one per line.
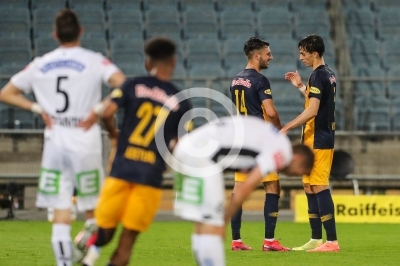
(160,49)
(306,153)
(67,26)
(313,43)
(253,44)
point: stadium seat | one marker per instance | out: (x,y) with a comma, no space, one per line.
(161,4)
(168,24)
(235,5)
(198,24)
(128,55)
(309,4)
(360,23)
(210,70)
(238,25)
(202,5)
(396,114)
(274,24)
(379,115)
(14,23)
(50,4)
(15,54)
(43,20)
(271,4)
(87,4)
(234,69)
(124,4)
(14,4)
(180,71)
(390,52)
(202,52)
(284,51)
(198,102)
(16,118)
(233,54)
(388,23)
(179,83)
(310,21)
(93,22)
(125,24)
(370,88)
(44,45)
(394,85)
(361,111)
(385,4)
(95,44)
(364,51)
(356,4)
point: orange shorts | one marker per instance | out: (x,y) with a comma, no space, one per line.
(241,177)
(133,204)
(322,168)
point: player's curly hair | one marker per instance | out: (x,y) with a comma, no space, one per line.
(160,48)
(253,44)
(67,26)
(313,43)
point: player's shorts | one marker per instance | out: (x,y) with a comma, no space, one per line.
(62,170)
(241,177)
(322,168)
(199,194)
(135,205)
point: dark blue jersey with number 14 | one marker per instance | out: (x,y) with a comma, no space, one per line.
(151,109)
(248,89)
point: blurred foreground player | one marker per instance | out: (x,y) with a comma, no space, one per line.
(132,192)
(67,85)
(233,143)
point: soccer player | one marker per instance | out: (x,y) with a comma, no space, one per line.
(252,95)
(236,143)
(67,85)
(132,192)
(318,134)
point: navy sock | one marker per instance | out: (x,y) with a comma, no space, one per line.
(271,209)
(313,216)
(236,224)
(327,213)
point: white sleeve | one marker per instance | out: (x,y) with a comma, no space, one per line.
(275,156)
(23,79)
(107,69)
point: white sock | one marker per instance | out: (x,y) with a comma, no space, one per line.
(210,250)
(312,239)
(62,244)
(270,239)
(92,255)
(237,240)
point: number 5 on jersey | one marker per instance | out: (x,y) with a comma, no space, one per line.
(240,106)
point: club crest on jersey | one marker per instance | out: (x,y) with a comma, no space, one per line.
(315,90)
(116,93)
(241,82)
(268,91)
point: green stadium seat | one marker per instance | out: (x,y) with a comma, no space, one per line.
(308,4)
(44,45)
(125,24)
(203,52)
(167,24)
(271,4)
(15,54)
(274,23)
(124,4)
(79,4)
(161,4)
(93,22)
(237,24)
(95,44)
(43,20)
(389,23)
(235,5)
(209,5)
(128,55)
(14,4)
(360,23)
(197,24)
(14,23)
(48,4)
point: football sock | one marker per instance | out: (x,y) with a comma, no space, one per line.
(194,246)
(326,212)
(313,216)
(271,209)
(62,244)
(210,250)
(236,223)
(92,255)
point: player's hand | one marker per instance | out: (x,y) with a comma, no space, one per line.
(47,120)
(89,121)
(294,78)
(284,130)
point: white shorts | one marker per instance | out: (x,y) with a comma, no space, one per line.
(199,197)
(63,170)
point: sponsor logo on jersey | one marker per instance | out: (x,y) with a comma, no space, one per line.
(72,64)
(268,91)
(66,121)
(117,93)
(157,94)
(241,82)
(315,90)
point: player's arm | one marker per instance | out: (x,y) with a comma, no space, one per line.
(305,116)
(243,191)
(295,79)
(117,79)
(271,112)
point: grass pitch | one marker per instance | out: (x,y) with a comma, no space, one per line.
(168,243)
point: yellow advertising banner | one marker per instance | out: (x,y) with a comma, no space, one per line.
(357,209)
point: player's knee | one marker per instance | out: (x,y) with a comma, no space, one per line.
(104,236)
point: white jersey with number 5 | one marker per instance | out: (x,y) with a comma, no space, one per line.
(67,84)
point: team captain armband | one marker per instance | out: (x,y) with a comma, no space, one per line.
(36,108)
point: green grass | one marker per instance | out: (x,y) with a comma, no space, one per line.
(168,243)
